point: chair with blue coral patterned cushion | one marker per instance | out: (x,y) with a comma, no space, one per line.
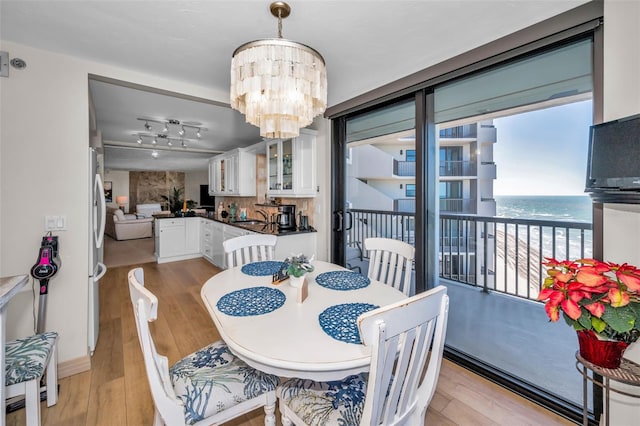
(249,248)
(210,386)
(406,341)
(26,361)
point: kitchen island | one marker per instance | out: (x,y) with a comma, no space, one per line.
(181,238)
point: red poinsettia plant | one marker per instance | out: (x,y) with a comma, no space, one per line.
(594,295)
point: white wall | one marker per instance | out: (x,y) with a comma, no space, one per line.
(119,184)
(322,202)
(192,182)
(44,171)
(621,226)
(366,197)
(394,150)
(369,161)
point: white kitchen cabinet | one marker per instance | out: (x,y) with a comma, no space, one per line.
(214,184)
(177,239)
(232,178)
(192,235)
(233,173)
(291,166)
(217,251)
(171,237)
(206,238)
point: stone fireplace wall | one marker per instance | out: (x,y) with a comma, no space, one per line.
(149,187)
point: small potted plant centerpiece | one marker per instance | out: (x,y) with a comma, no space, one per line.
(298,267)
(600,300)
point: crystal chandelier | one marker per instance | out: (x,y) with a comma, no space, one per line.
(280,85)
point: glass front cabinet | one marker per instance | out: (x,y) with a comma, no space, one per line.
(233,173)
(291,166)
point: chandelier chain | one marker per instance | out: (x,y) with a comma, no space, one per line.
(279,23)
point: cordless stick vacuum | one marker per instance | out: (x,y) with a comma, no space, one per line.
(45,268)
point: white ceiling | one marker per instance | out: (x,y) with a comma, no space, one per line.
(365,44)
(119,108)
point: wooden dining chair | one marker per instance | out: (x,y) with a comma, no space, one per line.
(406,341)
(249,248)
(390,262)
(26,361)
(210,386)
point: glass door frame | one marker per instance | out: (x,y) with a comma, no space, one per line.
(426,214)
(572,26)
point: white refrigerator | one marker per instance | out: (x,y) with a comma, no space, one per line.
(97,216)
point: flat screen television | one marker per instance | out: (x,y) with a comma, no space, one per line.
(614,156)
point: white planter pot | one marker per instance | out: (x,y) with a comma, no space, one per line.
(296,282)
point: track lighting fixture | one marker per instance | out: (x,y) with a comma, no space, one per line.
(157,139)
(170,125)
(155,154)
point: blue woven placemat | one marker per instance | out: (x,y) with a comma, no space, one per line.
(251,301)
(342,280)
(340,321)
(264,268)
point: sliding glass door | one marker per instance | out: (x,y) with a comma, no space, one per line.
(483,174)
(379,171)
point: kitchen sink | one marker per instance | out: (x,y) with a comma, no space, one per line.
(250,222)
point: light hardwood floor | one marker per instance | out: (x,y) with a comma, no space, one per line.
(115,391)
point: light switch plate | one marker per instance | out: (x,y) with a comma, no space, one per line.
(4,64)
(55,223)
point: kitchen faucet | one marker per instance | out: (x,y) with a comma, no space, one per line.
(264,215)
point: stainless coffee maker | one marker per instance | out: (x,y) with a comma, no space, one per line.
(286,218)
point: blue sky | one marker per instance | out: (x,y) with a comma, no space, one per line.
(543,152)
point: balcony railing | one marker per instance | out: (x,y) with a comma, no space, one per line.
(458,205)
(380,223)
(464,131)
(404,168)
(404,205)
(505,254)
(496,254)
(458,168)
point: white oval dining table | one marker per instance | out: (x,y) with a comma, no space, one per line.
(289,341)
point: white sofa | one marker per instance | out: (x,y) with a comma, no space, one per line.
(129,227)
(147,210)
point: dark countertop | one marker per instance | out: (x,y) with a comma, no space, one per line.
(261,228)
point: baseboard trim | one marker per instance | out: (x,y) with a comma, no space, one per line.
(74,366)
(177,258)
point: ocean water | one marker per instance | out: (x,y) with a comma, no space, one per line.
(568,208)
(559,243)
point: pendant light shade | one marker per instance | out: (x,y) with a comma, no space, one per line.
(280,85)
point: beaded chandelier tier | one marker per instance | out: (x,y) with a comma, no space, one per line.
(280,85)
